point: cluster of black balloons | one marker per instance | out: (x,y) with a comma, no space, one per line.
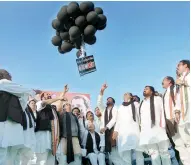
(76,23)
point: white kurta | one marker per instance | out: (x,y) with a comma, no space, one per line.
(186,109)
(127,128)
(102,109)
(29,135)
(43,138)
(157,133)
(167,103)
(10,129)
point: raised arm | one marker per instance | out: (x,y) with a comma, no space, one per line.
(59,104)
(83,131)
(15,89)
(100,98)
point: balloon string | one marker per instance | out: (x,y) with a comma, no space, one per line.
(83,48)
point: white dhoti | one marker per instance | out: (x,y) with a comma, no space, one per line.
(26,152)
(45,158)
(62,159)
(23,157)
(3,155)
(127,157)
(96,159)
(159,152)
(11,140)
(115,157)
(182,144)
(43,149)
(62,152)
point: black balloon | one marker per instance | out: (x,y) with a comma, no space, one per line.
(57,33)
(63,15)
(66,47)
(86,7)
(80,21)
(56,24)
(90,40)
(98,10)
(92,17)
(72,9)
(74,32)
(76,21)
(73,40)
(60,50)
(69,24)
(76,3)
(101,27)
(56,41)
(78,42)
(101,20)
(90,30)
(64,36)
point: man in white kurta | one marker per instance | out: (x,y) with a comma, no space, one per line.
(153,135)
(97,153)
(26,153)
(183,111)
(44,139)
(11,133)
(111,109)
(183,94)
(127,131)
(170,107)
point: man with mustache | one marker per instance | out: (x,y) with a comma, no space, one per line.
(153,133)
(47,129)
(107,125)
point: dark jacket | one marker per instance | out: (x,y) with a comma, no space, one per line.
(10,108)
(44,117)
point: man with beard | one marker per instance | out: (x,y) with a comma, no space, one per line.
(183,95)
(153,134)
(47,130)
(127,131)
(107,125)
(13,101)
(69,150)
(169,104)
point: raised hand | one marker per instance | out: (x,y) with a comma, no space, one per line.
(104,86)
(66,89)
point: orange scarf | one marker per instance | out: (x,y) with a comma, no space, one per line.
(182,99)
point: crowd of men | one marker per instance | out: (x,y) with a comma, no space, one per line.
(49,130)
